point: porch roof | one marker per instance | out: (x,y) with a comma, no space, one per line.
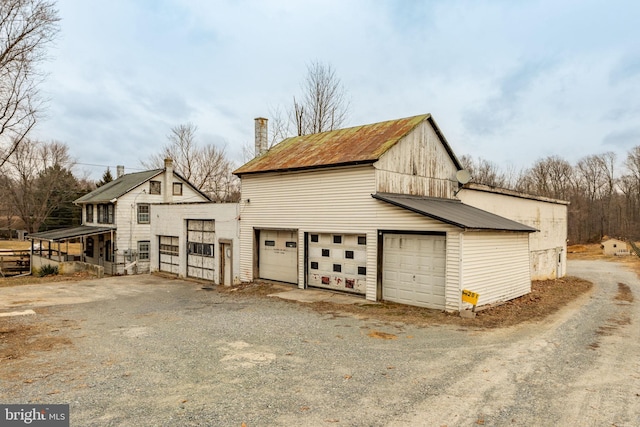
(69,233)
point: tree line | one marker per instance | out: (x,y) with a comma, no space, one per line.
(604,195)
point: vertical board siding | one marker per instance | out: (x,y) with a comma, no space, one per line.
(418,165)
(496,265)
(322,201)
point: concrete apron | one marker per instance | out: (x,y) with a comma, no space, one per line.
(316,295)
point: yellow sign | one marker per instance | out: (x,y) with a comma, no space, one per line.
(470,297)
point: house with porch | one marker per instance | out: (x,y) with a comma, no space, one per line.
(374,210)
(116,222)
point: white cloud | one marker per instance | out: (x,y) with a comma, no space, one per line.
(507,81)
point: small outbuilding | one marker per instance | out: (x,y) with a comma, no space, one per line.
(615,247)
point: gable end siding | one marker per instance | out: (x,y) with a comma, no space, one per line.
(418,165)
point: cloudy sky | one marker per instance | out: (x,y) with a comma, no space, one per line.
(507,81)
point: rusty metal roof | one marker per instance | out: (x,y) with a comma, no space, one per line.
(360,144)
(453,212)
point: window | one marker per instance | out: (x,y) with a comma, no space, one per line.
(325,252)
(337,239)
(143,213)
(314,265)
(105,214)
(362,240)
(337,268)
(89,213)
(362,271)
(108,256)
(169,246)
(155,187)
(348,254)
(143,250)
(177,189)
(203,249)
(89,248)
(290,244)
(269,242)
(314,237)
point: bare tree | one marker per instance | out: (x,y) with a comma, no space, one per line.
(323,105)
(26,28)
(484,172)
(207,168)
(38,180)
(548,177)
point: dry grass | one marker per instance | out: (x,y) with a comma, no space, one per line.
(546,297)
(15,244)
(19,340)
(35,280)
(74,248)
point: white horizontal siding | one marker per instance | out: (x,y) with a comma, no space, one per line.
(496,265)
(322,201)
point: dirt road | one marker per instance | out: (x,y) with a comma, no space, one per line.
(150,351)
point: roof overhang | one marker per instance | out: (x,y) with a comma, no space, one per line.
(453,212)
(69,233)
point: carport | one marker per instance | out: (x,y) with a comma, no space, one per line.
(53,254)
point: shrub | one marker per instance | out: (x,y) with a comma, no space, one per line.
(48,270)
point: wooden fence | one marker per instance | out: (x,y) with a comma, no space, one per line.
(14,262)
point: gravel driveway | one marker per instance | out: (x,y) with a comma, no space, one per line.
(157,352)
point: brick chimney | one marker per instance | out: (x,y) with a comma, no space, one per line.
(261,136)
(167,191)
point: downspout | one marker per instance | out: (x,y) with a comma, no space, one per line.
(461,269)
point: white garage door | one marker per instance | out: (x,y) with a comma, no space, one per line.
(278,256)
(169,254)
(338,261)
(200,249)
(413,269)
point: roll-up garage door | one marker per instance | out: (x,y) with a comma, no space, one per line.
(169,254)
(338,261)
(200,249)
(278,255)
(414,269)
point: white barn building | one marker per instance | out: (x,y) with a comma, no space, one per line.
(372,210)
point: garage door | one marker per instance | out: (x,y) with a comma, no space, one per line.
(338,261)
(200,249)
(413,269)
(169,254)
(278,255)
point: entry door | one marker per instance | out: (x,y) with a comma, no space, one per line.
(278,256)
(226,262)
(414,268)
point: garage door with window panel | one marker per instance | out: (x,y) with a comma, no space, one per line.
(278,255)
(414,269)
(200,249)
(169,254)
(337,261)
